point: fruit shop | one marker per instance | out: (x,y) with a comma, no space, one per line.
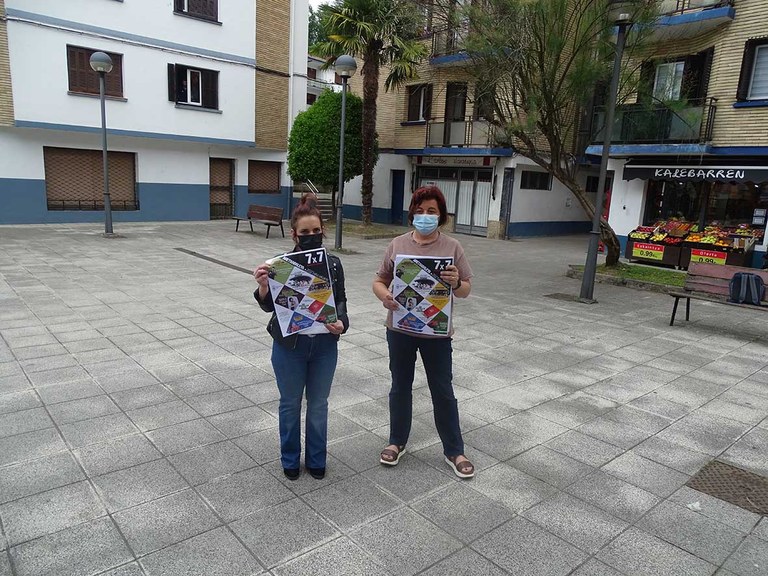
(710,214)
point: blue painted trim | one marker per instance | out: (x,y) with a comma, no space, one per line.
(528,229)
(457,58)
(41,19)
(379,215)
(455,151)
(694,17)
(751,104)
(133,133)
(651,149)
(740,151)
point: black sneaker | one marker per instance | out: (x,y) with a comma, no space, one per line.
(316,473)
(291,473)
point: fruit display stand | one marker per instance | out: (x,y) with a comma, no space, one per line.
(652,253)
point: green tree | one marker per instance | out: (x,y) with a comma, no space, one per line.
(537,64)
(313,145)
(384,34)
(316,33)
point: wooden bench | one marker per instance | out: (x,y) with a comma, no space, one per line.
(709,282)
(268,215)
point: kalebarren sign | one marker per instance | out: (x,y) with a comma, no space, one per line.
(756,174)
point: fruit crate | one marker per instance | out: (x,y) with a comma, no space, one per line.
(652,253)
(710,254)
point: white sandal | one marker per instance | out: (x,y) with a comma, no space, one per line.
(467,469)
(395,454)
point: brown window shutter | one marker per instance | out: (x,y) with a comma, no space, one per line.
(428,102)
(114,80)
(172,83)
(210,89)
(413,103)
(263,177)
(747,65)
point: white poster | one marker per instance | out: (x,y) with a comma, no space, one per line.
(425,300)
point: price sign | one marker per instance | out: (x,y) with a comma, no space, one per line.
(708,257)
(648,251)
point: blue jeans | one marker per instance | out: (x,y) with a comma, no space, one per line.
(437,356)
(308,367)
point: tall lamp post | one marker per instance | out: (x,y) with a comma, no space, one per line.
(620,11)
(345,67)
(102,63)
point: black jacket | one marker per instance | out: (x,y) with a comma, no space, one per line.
(339,295)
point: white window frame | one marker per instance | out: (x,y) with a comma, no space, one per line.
(422,93)
(190,72)
(750,94)
(670,91)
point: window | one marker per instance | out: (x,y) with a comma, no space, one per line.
(204,9)
(82,78)
(530,180)
(193,86)
(425,8)
(753,81)
(263,177)
(668,81)
(593,181)
(312,73)
(311,98)
(419,102)
(74,179)
(484,102)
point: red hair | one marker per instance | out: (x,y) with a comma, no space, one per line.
(423,194)
(307,206)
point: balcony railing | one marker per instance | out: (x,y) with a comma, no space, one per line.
(467,132)
(690,122)
(447,41)
(672,7)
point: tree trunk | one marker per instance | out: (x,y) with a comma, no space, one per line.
(370,74)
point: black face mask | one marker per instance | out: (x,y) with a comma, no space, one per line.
(310,241)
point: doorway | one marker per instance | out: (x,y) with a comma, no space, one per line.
(222,189)
(398,192)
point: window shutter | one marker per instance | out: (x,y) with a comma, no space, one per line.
(171,82)
(72,64)
(114,80)
(413,103)
(179,5)
(747,64)
(210,89)
(210,9)
(428,102)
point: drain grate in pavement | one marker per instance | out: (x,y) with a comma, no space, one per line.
(214,260)
(734,485)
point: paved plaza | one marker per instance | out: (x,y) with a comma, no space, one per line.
(138,420)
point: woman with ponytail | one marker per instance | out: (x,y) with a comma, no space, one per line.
(304,363)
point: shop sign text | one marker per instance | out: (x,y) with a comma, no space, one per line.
(708,257)
(647,251)
(699,173)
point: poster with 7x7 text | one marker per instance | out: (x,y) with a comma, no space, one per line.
(425,300)
(302,291)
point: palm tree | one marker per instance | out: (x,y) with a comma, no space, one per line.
(383,33)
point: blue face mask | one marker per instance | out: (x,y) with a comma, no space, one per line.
(425,224)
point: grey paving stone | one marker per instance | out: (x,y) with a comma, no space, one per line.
(136,398)
(116,454)
(615,433)
(214,553)
(692,532)
(510,487)
(654,404)
(341,557)
(497,442)
(638,553)
(704,433)
(359,452)
(282,532)
(48,512)
(463,512)
(244,493)
(24,421)
(218,402)
(244,421)
(646,474)
(552,467)
(615,496)
(39,475)
(465,562)
(125,380)
(720,510)
(89,548)
(206,463)
(340,427)
(67,391)
(409,480)
(30,445)
(535,552)
(192,434)
(131,569)
(57,376)
(48,363)
(161,415)
(405,542)
(5,565)
(672,455)
(637,418)
(196,385)
(761,530)
(691,392)
(262,446)
(351,502)
(531,427)
(733,411)
(596,568)
(139,484)
(85,432)
(750,452)
(83,409)
(15,401)
(165,521)
(584,448)
(14,383)
(576,522)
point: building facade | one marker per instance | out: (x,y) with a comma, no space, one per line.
(199,105)
(693,146)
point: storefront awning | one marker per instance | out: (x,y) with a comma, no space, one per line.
(706,171)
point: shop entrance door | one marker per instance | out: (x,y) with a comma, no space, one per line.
(398,191)
(221,174)
(473,202)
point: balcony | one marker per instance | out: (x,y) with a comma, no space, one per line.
(447,46)
(459,133)
(682,19)
(690,123)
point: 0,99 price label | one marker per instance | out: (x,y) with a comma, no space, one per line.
(708,257)
(647,251)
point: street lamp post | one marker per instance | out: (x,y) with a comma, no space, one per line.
(621,16)
(102,63)
(345,67)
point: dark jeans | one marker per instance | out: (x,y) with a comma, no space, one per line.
(310,366)
(436,354)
